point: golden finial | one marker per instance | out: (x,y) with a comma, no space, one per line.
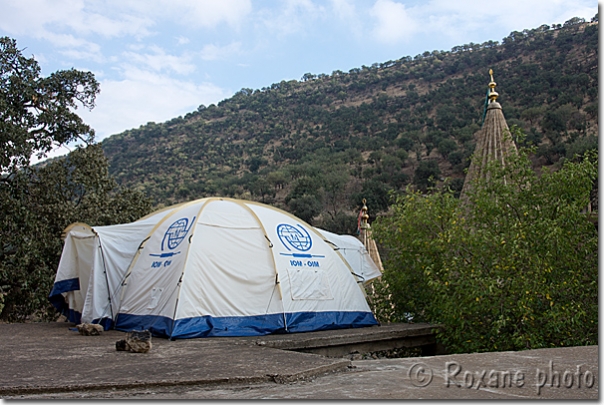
(492,93)
(364,215)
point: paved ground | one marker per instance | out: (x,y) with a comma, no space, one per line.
(48,361)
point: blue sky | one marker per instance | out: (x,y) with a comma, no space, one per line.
(158,59)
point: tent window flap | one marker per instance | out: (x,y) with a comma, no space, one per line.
(309,284)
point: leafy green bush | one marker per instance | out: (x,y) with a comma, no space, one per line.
(515,268)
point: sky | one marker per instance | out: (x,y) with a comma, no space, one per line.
(159,59)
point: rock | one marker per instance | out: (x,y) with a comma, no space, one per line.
(135,342)
(121,346)
(89,329)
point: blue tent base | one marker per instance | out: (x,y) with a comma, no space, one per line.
(257,325)
(58,301)
(209,326)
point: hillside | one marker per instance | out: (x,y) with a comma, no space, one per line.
(317,146)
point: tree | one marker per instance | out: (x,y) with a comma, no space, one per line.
(261,188)
(36,206)
(515,269)
(277,179)
(255,162)
(446,147)
(304,200)
(376,194)
(341,223)
(426,174)
(37,203)
(36,113)
(334,193)
(308,76)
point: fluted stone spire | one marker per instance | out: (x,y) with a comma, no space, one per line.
(494,141)
(365,236)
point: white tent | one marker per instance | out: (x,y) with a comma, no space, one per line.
(355,254)
(213,267)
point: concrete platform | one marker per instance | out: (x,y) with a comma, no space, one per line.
(339,343)
(48,361)
(48,357)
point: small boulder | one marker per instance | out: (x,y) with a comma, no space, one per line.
(135,342)
(122,346)
(89,329)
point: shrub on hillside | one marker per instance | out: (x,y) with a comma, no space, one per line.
(515,268)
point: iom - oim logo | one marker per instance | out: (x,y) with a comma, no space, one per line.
(176,233)
(294,236)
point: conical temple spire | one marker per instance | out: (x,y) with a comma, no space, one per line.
(493,143)
(365,236)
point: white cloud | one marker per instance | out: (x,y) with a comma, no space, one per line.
(346,12)
(197,13)
(72,26)
(215,52)
(67,41)
(158,60)
(462,19)
(291,17)
(344,9)
(39,18)
(210,13)
(453,22)
(109,21)
(30,17)
(88,55)
(182,40)
(143,96)
(393,22)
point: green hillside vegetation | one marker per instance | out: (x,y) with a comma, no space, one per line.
(515,268)
(317,146)
(331,138)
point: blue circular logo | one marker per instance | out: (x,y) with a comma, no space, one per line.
(176,233)
(296,237)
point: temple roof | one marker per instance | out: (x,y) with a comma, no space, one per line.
(494,141)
